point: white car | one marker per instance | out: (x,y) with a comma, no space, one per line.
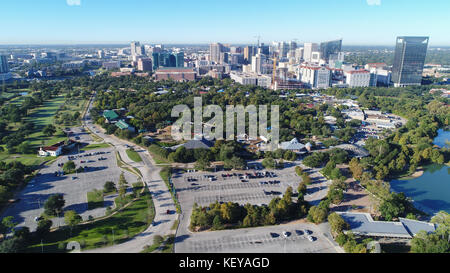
(285,234)
(310,238)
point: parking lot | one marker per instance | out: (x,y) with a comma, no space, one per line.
(74,187)
(255,186)
(274,239)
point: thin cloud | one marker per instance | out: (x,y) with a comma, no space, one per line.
(74,2)
(373,2)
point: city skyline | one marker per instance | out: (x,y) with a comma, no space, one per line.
(357,22)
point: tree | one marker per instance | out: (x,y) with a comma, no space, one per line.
(217,223)
(69,167)
(317,214)
(306,179)
(24,147)
(49,130)
(7,225)
(396,205)
(54,205)
(123,185)
(72,218)
(202,164)
(337,223)
(43,227)
(12,245)
(356,168)
(4,194)
(269,163)
(109,187)
(436,242)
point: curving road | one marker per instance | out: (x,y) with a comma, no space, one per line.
(162,198)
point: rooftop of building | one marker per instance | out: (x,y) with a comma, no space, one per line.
(363,224)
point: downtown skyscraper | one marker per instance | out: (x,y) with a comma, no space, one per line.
(409,59)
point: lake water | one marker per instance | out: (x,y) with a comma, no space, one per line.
(442,137)
(431,191)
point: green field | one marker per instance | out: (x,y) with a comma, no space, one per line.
(95,146)
(41,117)
(133,155)
(126,224)
(95,199)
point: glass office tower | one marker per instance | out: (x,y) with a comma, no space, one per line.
(409,59)
(180,59)
(3,64)
(331,47)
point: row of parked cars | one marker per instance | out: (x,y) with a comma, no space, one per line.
(287,234)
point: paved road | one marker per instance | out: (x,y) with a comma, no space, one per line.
(162,198)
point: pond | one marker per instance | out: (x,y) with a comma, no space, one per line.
(431,191)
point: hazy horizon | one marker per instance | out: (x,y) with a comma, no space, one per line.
(358,22)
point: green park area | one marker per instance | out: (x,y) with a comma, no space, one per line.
(133,155)
(41,117)
(95,146)
(116,228)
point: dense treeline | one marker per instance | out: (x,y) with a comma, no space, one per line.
(232,215)
(12,176)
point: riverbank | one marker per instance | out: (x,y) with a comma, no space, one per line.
(418,173)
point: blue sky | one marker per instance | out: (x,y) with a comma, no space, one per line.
(358,22)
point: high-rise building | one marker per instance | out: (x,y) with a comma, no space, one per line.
(135,48)
(292,45)
(3,64)
(214,51)
(101,54)
(179,59)
(308,49)
(257,63)
(166,59)
(283,49)
(330,47)
(144,64)
(249,52)
(264,49)
(409,59)
(155,60)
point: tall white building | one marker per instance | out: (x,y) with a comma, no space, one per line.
(214,51)
(136,49)
(258,62)
(308,49)
(299,54)
(357,78)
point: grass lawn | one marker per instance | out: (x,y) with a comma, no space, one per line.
(95,199)
(71,106)
(133,155)
(26,159)
(126,224)
(40,116)
(95,146)
(165,173)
